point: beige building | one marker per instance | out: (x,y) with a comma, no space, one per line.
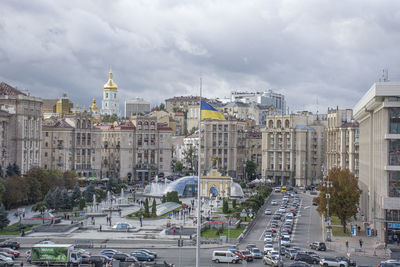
(342,140)
(293,148)
(253,149)
(225,140)
(72,143)
(378,113)
(64,106)
(21,124)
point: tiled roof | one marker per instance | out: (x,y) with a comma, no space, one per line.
(56,123)
(6,89)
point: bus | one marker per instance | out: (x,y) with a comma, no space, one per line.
(283,189)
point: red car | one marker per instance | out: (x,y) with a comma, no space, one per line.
(10,251)
(247,255)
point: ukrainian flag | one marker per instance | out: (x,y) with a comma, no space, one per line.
(208,112)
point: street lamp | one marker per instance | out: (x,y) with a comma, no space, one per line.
(328,185)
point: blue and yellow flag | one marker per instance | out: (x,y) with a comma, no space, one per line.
(208,112)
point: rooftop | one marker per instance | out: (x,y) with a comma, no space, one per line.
(6,89)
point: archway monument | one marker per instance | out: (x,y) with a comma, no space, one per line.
(215,184)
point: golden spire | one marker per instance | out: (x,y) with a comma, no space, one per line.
(94,107)
(110,84)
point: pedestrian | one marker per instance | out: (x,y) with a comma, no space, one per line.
(100,227)
(347,244)
(22,264)
(173,230)
(361,243)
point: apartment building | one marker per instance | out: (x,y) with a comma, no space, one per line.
(225,140)
(136,106)
(378,114)
(72,143)
(342,140)
(253,149)
(293,148)
(20,127)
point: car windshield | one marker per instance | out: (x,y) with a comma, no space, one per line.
(256,250)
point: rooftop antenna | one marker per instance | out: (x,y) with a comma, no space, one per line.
(317,105)
(385,76)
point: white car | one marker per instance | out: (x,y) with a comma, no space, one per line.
(268,247)
(267,238)
(268,212)
(285,241)
(274,202)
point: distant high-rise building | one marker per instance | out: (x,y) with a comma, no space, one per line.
(110,103)
(64,105)
(137,106)
(263,98)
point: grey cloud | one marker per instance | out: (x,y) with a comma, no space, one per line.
(310,49)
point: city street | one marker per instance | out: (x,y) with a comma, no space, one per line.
(306,230)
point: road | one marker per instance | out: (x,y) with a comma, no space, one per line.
(307,229)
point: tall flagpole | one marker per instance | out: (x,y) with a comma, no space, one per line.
(199,189)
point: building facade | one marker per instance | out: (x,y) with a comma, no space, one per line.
(21,124)
(378,114)
(72,143)
(225,140)
(110,103)
(342,148)
(136,106)
(293,149)
(266,98)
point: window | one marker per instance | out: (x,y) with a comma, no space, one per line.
(394,152)
(45,154)
(106,95)
(47,134)
(394,184)
(161,159)
(394,120)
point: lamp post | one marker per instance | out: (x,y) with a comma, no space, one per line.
(328,185)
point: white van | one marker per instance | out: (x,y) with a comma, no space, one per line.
(224,256)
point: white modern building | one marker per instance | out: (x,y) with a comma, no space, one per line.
(378,114)
(266,98)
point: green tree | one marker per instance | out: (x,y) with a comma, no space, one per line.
(2,190)
(34,193)
(57,199)
(146,212)
(89,192)
(251,170)
(76,195)
(49,199)
(1,172)
(173,197)
(178,166)
(190,158)
(154,208)
(9,170)
(164,199)
(225,206)
(65,200)
(161,106)
(344,195)
(16,169)
(17,191)
(82,203)
(4,221)
(70,179)
(41,207)
(234,203)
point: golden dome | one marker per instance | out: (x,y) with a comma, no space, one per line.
(94,107)
(110,84)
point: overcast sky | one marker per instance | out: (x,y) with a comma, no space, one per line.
(312,51)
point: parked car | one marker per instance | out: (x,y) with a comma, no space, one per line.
(101,259)
(332,262)
(142,256)
(306,258)
(224,256)
(10,244)
(148,252)
(256,253)
(389,263)
(10,251)
(299,264)
(318,246)
(267,212)
(273,261)
(285,241)
(350,262)
(123,225)
(247,255)
(8,261)
(109,252)
(233,248)
(5,254)
(290,253)
(124,257)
